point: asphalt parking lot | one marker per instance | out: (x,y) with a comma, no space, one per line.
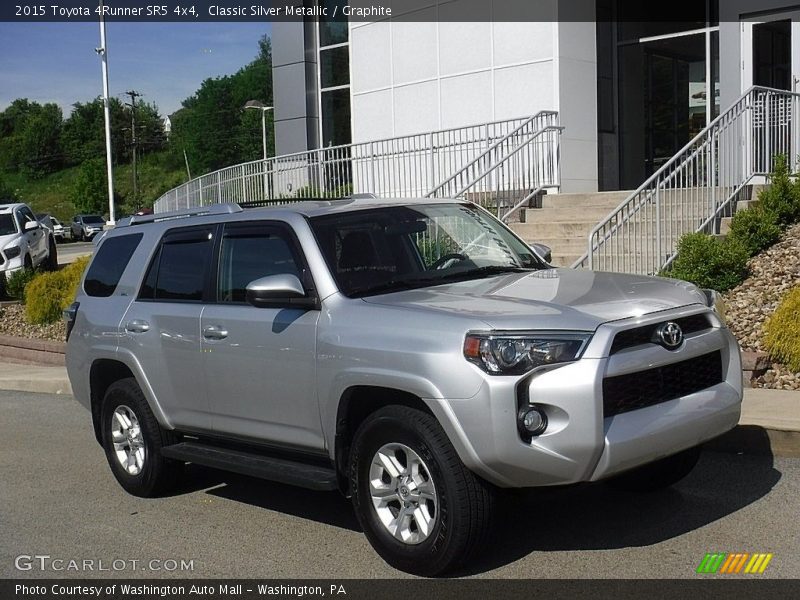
(58,498)
(69,251)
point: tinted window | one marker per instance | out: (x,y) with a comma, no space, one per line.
(109,263)
(94,220)
(249,253)
(7,226)
(179,270)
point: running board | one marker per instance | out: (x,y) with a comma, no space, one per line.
(312,477)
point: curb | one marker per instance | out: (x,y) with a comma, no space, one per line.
(41,352)
(759,441)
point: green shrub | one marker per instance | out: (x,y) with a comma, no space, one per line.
(755,228)
(17,282)
(710,262)
(782,197)
(782,331)
(50,293)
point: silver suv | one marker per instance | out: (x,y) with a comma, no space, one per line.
(414,354)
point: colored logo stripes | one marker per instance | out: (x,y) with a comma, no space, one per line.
(735,562)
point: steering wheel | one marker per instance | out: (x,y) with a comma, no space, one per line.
(442,260)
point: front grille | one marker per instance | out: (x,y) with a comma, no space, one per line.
(633,391)
(646,334)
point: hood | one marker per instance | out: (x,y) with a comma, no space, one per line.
(6,240)
(550,299)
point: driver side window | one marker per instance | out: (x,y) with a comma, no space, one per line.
(252,251)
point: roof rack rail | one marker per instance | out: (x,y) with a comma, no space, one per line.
(363,196)
(199,211)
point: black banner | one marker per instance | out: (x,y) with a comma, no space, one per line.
(419,589)
(691,14)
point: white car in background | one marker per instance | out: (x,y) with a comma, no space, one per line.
(24,242)
(60,233)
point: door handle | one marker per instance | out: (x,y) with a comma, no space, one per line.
(215,332)
(137,326)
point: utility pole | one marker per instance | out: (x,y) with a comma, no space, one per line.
(134,94)
(107,115)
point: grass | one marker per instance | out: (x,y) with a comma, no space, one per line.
(51,193)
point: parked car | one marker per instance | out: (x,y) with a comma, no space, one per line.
(24,242)
(416,355)
(55,226)
(85,227)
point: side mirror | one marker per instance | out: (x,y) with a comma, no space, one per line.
(32,225)
(278,290)
(544,251)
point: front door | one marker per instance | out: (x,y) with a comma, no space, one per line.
(259,363)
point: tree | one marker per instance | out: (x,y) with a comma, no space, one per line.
(84,135)
(7,193)
(30,138)
(40,141)
(213,127)
(90,191)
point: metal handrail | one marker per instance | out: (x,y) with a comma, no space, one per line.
(405,165)
(697,186)
(492,148)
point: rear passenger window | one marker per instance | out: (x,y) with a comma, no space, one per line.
(109,263)
(250,252)
(180,269)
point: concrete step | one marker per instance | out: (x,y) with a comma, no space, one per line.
(607,199)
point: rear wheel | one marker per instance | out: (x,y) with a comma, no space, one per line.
(660,474)
(421,509)
(52,256)
(133,439)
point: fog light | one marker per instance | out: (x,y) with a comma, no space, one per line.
(531,421)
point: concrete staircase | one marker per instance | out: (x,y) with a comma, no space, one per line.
(564,221)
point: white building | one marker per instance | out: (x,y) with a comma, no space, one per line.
(629,94)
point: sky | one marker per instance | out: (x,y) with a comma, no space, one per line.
(166,62)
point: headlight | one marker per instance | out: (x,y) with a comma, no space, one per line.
(12,252)
(515,354)
(716,303)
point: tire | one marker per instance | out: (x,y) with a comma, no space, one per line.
(152,475)
(660,474)
(52,255)
(27,262)
(457,519)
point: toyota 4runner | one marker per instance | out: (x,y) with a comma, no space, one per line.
(416,355)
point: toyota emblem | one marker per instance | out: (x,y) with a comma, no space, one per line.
(670,335)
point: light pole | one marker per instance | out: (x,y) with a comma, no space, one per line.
(258,105)
(102,51)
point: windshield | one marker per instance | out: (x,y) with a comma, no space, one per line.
(92,220)
(7,226)
(393,248)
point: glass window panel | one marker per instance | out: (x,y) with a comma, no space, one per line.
(107,267)
(333,31)
(334,66)
(249,256)
(336,117)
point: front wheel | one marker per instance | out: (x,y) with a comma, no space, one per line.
(132,440)
(421,509)
(660,474)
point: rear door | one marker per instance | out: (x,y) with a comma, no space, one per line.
(260,363)
(162,326)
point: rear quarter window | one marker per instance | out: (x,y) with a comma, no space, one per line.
(106,269)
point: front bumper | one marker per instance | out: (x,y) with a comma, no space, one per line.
(580,443)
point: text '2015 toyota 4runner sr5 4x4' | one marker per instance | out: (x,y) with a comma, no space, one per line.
(415,355)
